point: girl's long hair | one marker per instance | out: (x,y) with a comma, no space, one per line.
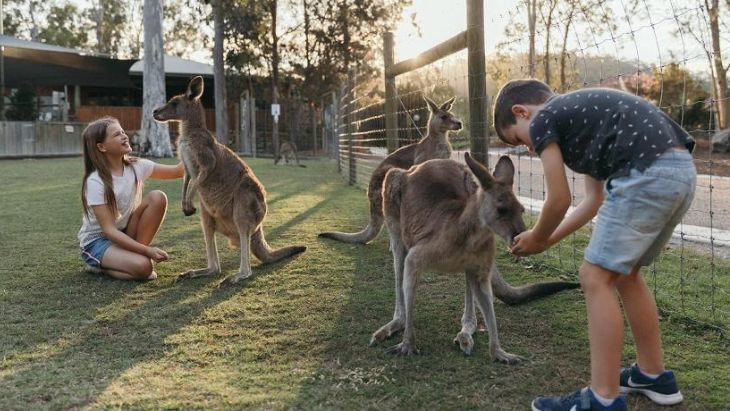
(94,160)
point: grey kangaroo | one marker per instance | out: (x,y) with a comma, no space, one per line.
(232,200)
(434,145)
(287,150)
(440,219)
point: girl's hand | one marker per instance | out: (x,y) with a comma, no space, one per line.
(157,254)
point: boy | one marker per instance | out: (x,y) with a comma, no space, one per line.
(636,157)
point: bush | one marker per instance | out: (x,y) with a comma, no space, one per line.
(22,105)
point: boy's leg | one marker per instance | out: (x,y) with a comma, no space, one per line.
(147,218)
(643,316)
(605,327)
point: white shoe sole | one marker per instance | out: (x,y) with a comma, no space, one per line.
(661,399)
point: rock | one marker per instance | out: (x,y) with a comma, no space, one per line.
(721,141)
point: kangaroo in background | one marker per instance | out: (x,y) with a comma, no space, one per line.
(232,200)
(434,145)
(440,219)
(286,150)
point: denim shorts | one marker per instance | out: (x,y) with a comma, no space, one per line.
(94,251)
(640,212)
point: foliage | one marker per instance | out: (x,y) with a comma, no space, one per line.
(339,33)
(22,105)
(65,27)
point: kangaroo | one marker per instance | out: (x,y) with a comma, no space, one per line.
(232,200)
(440,219)
(434,145)
(286,150)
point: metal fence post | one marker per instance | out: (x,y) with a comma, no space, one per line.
(349,126)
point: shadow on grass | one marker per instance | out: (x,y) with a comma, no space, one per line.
(81,332)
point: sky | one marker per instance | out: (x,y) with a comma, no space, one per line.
(440,20)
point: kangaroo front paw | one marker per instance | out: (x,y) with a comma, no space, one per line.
(465,342)
(403,348)
(378,337)
(386,332)
(507,358)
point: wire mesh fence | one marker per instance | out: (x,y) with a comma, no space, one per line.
(662,51)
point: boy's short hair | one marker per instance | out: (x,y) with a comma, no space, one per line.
(525,91)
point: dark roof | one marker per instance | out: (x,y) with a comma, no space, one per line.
(49,65)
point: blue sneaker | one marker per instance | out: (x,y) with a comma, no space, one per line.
(581,400)
(662,389)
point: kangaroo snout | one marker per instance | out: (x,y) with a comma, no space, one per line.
(458,125)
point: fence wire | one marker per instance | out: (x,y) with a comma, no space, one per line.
(606,48)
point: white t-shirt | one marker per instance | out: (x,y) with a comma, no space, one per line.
(123,187)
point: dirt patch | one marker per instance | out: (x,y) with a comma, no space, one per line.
(717,164)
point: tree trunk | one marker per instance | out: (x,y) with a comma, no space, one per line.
(548,27)
(564,50)
(274,72)
(219,77)
(154,134)
(531,20)
(345,34)
(719,70)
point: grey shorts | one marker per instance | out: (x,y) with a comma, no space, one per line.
(640,212)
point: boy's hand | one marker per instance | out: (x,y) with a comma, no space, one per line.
(157,254)
(528,243)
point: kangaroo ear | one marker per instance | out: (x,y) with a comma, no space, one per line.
(481,172)
(431,105)
(447,105)
(504,171)
(195,88)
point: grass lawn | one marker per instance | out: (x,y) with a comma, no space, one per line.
(295,335)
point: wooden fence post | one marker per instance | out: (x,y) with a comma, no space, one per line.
(391,108)
(477,80)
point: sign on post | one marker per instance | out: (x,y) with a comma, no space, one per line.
(276,111)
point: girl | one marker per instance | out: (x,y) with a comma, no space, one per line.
(118,223)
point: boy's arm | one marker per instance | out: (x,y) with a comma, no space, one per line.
(165,172)
(554,209)
(583,213)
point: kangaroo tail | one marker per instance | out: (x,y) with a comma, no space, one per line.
(361,237)
(517,295)
(266,254)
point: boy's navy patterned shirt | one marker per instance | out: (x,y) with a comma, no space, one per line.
(605,133)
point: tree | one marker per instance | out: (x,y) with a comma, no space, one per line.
(59,23)
(680,95)
(65,26)
(111,26)
(712,8)
(155,138)
(22,105)
(551,5)
(531,24)
(186,23)
(590,15)
(697,26)
(219,75)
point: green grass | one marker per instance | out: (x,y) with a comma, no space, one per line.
(293,336)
